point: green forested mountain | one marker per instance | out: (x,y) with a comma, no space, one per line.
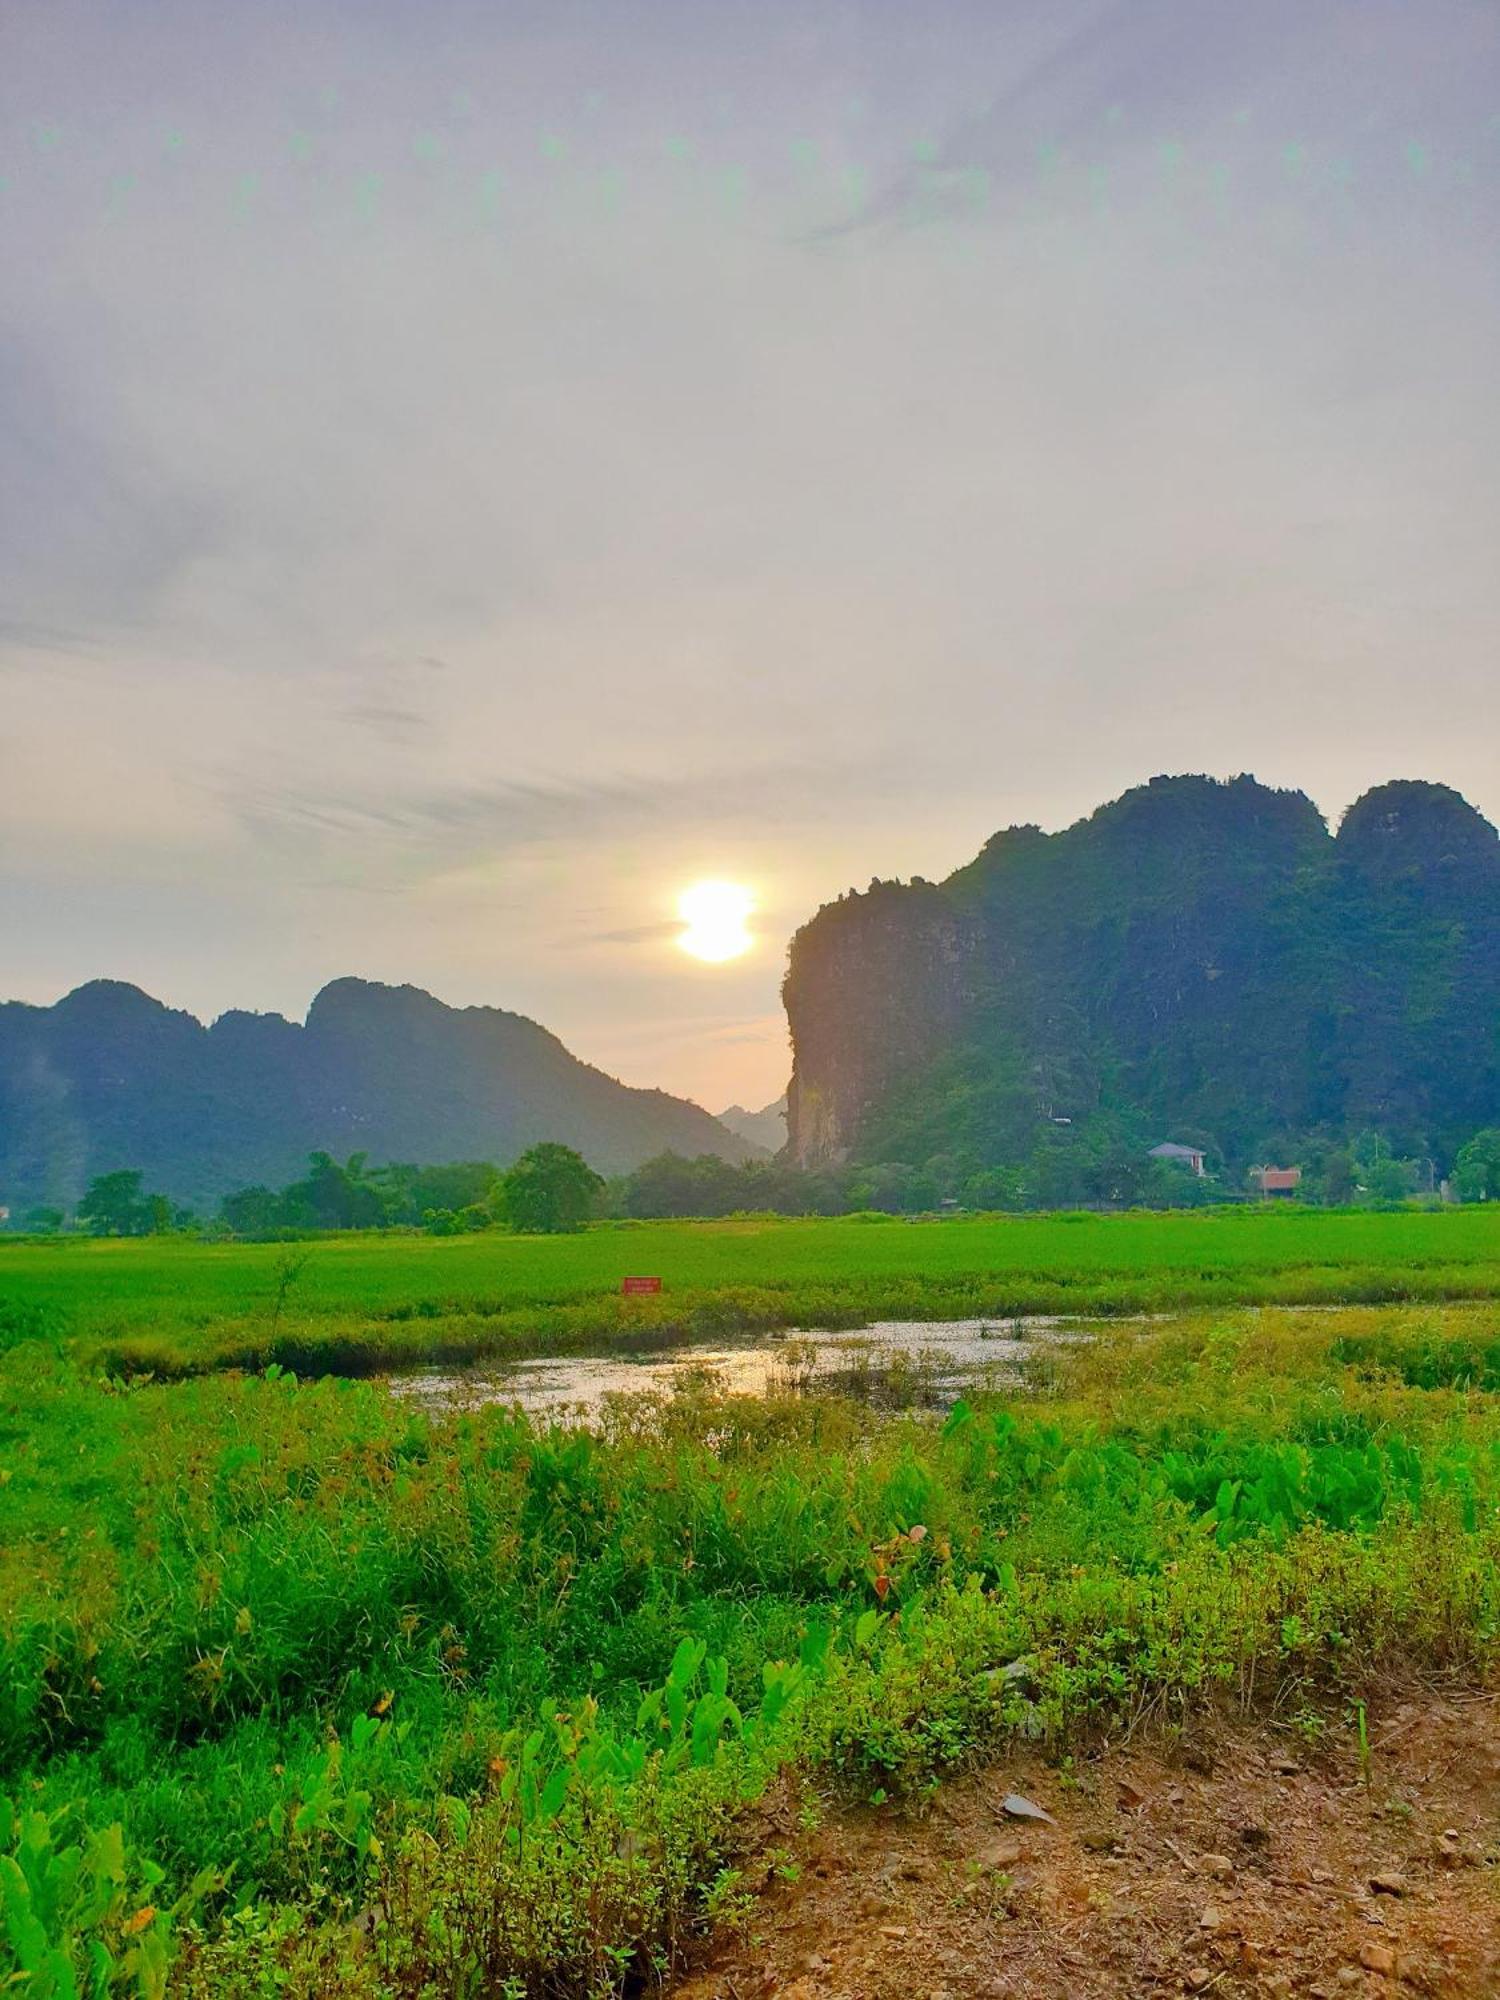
(1199,961)
(110,1078)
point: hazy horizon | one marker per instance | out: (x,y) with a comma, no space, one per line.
(473,474)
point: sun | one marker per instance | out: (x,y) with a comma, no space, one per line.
(714,916)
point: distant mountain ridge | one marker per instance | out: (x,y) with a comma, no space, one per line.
(765,1128)
(1200,960)
(109,1077)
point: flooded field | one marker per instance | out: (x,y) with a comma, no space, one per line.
(896,1364)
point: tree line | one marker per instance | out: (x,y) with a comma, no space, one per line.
(1068,1169)
(551,1188)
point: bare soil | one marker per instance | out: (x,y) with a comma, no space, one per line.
(1247,1857)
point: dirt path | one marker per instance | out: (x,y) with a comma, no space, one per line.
(1242,1862)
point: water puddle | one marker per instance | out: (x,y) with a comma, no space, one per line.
(893,1364)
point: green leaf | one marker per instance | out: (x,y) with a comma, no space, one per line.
(686,1662)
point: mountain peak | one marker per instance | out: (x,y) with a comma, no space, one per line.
(1193,805)
(371,997)
(111,996)
(1413,826)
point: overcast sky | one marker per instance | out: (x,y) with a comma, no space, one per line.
(469,470)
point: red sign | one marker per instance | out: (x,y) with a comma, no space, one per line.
(632,1285)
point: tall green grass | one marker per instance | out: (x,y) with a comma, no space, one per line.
(447,1701)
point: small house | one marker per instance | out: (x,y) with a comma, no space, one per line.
(1278,1183)
(1184,1156)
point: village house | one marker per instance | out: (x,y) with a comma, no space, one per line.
(1185,1156)
(1276,1183)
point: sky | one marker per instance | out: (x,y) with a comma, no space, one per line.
(471,470)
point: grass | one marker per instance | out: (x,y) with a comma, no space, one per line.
(305,1690)
(364,1304)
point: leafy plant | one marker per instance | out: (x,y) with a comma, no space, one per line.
(79,1914)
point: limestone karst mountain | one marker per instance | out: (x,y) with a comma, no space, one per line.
(1203,959)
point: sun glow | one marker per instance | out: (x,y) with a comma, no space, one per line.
(714,916)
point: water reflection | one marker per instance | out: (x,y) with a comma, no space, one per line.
(894,1364)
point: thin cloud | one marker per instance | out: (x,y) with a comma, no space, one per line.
(434,831)
(637,934)
(372,716)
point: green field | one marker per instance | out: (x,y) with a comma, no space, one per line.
(359,1304)
(305,1690)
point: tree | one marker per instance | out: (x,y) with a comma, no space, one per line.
(1382,1176)
(1476,1171)
(1338,1177)
(550,1189)
(673,1185)
(253,1211)
(113,1205)
(44,1221)
(995,1187)
(409,1194)
(458,1184)
(1120,1176)
(457,1221)
(1056,1174)
(894,1187)
(334,1196)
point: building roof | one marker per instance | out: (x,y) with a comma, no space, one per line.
(1280,1177)
(1172,1151)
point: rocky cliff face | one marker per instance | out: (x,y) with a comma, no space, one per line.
(876,986)
(110,1078)
(1201,956)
